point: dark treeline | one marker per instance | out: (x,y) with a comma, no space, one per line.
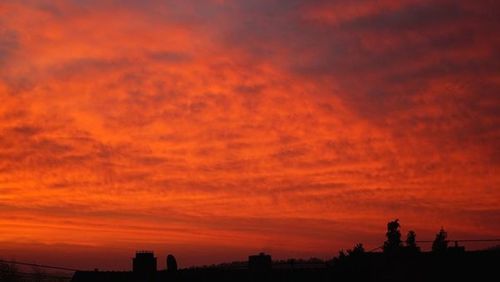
(404,261)
(399,261)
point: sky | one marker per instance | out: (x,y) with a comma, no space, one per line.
(221,128)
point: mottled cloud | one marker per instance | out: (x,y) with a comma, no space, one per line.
(230,127)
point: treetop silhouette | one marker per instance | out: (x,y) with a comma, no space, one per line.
(440,244)
(393,234)
(411,240)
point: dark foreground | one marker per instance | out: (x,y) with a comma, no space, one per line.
(418,266)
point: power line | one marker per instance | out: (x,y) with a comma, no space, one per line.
(374,249)
(46,275)
(462,240)
(40,265)
(477,240)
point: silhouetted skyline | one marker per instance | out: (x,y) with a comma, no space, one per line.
(395,260)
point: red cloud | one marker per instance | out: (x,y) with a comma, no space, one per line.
(298,129)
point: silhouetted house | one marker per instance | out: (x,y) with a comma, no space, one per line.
(260,262)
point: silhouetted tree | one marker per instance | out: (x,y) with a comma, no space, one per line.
(171,263)
(393,242)
(411,241)
(440,244)
(357,250)
(342,254)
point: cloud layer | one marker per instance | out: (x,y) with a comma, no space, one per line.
(217,128)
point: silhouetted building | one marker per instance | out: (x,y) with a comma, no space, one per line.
(260,262)
(171,263)
(144,263)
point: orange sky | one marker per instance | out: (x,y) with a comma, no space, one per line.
(216,129)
